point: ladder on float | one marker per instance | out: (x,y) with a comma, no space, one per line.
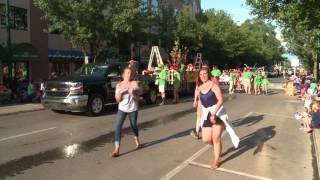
(198,63)
(154,52)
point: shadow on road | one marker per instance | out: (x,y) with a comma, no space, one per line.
(249,121)
(17,166)
(273,92)
(112,108)
(155,142)
(250,141)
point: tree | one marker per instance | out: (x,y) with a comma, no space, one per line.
(166,21)
(83,23)
(227,44)
(223,43)
(189,29)
(262,46)
(297,18)
(129,21)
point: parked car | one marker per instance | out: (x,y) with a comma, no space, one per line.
(90,88)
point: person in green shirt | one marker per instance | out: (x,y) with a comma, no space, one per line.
(176,86)
(264,85)
(232,81)
(313,86)
(246,80)
(216,72)
(162,83)
(257,83)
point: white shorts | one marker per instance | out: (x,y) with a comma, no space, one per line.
(162,89)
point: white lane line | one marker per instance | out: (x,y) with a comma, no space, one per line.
(194,156)
(185,163)
(26,134)
(279,115)
(230,171)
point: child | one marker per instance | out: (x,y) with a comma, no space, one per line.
(312,121)
(308,100)
(232,81)
(257,83)
(264,84)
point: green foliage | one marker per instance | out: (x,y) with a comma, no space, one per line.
(166,21)
(189,29)
(81,22)
(226,43)
(299,20)
(126,17)
(96,24)
(262,45)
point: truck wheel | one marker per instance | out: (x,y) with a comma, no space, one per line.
(151,97)
(95,105)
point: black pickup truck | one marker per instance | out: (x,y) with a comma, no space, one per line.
(90,88)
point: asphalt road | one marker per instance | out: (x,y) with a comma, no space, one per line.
(47,146)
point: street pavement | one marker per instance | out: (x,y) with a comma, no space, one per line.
(19,108)
(46,145)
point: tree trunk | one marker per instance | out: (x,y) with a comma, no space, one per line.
(315,67)
(132,52)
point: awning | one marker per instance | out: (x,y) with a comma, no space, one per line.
(55,53)
(24,52)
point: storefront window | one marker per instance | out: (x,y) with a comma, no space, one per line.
(18,17)
(20,71)
(2,15)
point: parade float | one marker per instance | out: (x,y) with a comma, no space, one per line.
(188,73)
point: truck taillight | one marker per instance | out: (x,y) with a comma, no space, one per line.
(76,90)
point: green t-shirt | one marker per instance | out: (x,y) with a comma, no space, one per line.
(216,73)
(30,89)
(177,78)
(265,82)
(313,86)
(246,75)
(257,80)
(182,66)
(163,78)
(232,76)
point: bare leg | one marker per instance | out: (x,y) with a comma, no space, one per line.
(116,151)
(217,145)
(207,135)
(163,96)
(137,142)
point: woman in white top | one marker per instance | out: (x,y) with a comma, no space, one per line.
(127,95)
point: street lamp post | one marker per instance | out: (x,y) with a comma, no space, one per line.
(8,39)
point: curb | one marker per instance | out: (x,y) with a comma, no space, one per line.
(22,111)
(316,141)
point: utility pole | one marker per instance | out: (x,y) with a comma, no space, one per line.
(8,39)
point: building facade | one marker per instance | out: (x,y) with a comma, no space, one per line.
(53,53)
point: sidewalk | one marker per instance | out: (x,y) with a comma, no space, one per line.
(20,108)
(316,141)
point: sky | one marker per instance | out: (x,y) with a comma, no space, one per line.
(239,11)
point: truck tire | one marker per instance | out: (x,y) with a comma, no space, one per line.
(95,105)
(151,96)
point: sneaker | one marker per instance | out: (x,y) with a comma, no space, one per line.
(194,135)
